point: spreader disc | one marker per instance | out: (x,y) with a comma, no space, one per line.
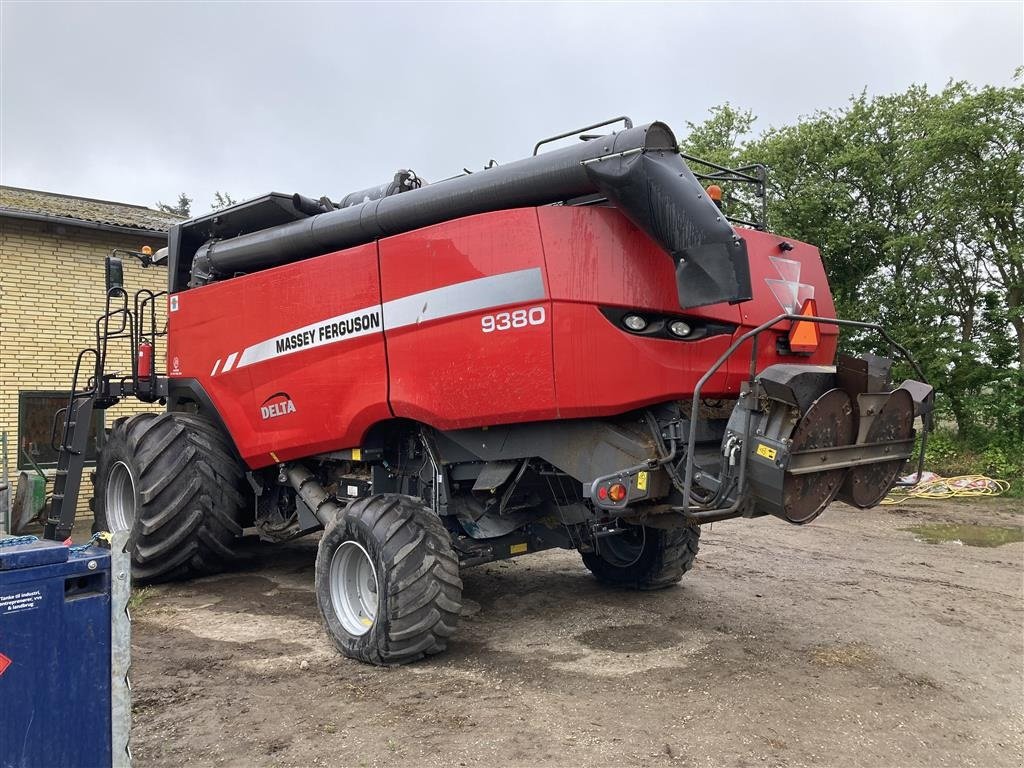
(866,486)
(828,423)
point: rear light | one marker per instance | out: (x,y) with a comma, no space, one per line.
(602,493)
(634,322)
(679,328)
(617,492)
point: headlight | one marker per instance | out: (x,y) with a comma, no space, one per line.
(679,328)
(634,322)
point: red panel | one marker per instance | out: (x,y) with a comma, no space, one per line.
(595,255)
(602,370)
(447,372)
(768,270)
(338,390)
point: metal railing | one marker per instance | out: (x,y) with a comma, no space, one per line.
(705,514)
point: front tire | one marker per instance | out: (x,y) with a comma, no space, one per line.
(644,558)
(387,581)
(175,482)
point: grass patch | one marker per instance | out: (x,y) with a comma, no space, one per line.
(993,455)
(139,596)
(971,535)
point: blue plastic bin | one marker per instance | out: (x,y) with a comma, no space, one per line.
(54,656)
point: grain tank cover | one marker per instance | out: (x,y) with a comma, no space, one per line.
(639,170)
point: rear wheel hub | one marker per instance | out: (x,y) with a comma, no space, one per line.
(354,588)
(120,499)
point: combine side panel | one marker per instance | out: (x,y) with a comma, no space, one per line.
(292,357)
(468,322)
(598,259)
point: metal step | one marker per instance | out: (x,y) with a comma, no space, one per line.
(70,464)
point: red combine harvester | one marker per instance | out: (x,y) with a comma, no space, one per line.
(574,350)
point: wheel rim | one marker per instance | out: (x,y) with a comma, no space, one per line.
(624,549)
(120,500)
(354,588)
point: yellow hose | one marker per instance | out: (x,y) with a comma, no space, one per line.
(959,487)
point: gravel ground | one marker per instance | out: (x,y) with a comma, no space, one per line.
(848,642)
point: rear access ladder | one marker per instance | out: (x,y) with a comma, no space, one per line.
(101,390)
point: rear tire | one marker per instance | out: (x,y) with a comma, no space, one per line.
(175,481)
(387,581)
(646,558)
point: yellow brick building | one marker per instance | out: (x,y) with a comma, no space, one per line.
(52,253)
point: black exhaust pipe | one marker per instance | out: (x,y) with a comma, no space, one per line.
(639,170)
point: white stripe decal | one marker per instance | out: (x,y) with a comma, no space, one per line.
(451,300)
(348,326)
(215,367)
(461,298)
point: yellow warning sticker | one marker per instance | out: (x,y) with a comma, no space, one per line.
(768,453)
(641,481)
(357,454)
(518,549)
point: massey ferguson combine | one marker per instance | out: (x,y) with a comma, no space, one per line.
(574,350)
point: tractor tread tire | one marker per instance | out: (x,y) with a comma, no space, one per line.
(667,555)
(190,486)
(420,591)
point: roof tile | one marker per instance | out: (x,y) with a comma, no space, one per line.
(16,200)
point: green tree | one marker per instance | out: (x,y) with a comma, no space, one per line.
(182,208)
(915,202)
(221,200)
(721,139)
(184,204)
(971,165)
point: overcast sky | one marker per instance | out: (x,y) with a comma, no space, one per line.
(139,101)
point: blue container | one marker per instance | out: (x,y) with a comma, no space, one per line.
(54,656)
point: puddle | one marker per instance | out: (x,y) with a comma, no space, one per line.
(971,535)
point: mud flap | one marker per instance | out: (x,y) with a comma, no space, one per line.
(711,274)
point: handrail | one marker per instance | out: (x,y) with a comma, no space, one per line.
(567,134)
(740,175)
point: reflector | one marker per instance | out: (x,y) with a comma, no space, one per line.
(805,336)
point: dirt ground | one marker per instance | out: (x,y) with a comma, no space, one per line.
(848,642)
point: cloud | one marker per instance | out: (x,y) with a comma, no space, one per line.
(138,102)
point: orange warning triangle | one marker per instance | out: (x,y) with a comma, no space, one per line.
(805,336)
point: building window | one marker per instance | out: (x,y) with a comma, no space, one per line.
(35,421)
